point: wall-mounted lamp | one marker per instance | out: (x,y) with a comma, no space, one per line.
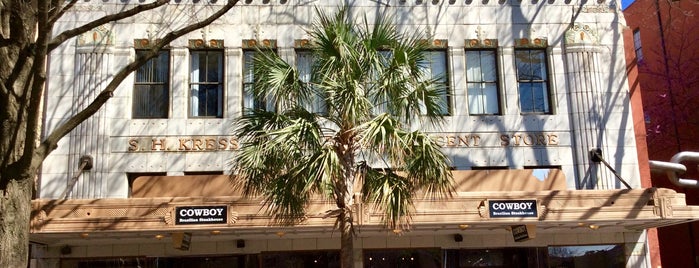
(66,250)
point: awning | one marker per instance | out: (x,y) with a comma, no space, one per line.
(72,221)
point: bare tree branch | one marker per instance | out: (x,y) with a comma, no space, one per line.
(38,76)
(62,37)
(54,16)
(51,141)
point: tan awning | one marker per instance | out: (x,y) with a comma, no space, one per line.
(55,221)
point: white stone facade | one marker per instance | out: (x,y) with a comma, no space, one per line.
(589,96)
(589,103)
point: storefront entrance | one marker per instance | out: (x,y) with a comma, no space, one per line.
(608,256)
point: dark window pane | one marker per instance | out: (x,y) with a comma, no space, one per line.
(304,65)
(538,67)
(526,98)
(214,67)
(488,66)
(206,79)
(481,76)
(523,65)
(604,256)
(434,65)
(505,257)
(408,258)
(532,76)
(207,100)
(151,87)
(329,259)
(250,101)
(540,97)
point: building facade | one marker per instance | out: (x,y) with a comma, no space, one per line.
(663,62)
(539,128)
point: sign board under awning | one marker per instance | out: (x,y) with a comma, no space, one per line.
(201,215)
(523,232)
(513,208)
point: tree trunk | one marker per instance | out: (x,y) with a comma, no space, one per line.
(345,200)
(346,238)
(15,209)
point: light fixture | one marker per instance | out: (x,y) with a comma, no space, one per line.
(397,231)
(280,234)
(159,236)
(593,226)
(215,232)
(84,235)
(464,226)
(66,250)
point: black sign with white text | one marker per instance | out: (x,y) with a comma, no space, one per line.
(520,233)
(512,208)
(201,215)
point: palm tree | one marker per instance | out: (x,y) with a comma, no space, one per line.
(372,82)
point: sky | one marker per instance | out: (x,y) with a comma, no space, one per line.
(625,3)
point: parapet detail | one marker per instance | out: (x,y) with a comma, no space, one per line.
(597,6)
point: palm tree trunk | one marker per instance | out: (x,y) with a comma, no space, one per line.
(346,238)
(345,200)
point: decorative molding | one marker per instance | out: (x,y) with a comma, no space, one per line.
(302,43)
(529,43)
(485,43)
(436,43)
(88,8)
(144,43)
(598,9)
(169,217)
(97,37)
(580,34)
(543,210)
(202,44)
(233,216)
(265,43)
(483,209)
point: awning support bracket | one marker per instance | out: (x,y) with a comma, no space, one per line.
(596,156)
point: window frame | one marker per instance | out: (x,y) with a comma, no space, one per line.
(221,83)
(448,95)
(317,102)
(638,45)
(258,104)
(545,81)
(152,72)
(482,82)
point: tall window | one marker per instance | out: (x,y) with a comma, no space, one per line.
(206,83)
(249,99)
(532,78)
(482,82)
(435,64)
(304,65)
(381,103)
(152,87)
(637,45)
